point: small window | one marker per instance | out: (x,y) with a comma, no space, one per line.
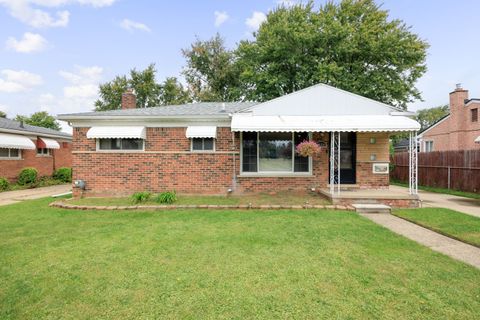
(202,144)
(474,115)
(428,146)
(43,151)
(120,144)
(9,153)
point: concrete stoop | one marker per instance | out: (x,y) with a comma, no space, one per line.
(372,208)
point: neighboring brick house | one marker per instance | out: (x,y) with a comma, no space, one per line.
(23,145)
(459,130)
(219,147)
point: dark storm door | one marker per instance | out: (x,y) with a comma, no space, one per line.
(348,152)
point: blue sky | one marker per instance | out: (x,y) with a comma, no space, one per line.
(54,53)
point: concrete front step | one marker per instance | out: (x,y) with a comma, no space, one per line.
(372,208)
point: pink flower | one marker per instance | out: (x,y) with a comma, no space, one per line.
(308,148)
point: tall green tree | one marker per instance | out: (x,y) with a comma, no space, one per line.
(427,117)
(352,45)
(172,92)
(211,71)
(40,119)
(143,82)
(2,114)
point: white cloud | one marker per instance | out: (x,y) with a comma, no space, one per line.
(81,89)
(131,26)
(30,42)
(27,11)
(286,3)
(220,18)
(254,22)
(17,81)
(83,82)
(4,108)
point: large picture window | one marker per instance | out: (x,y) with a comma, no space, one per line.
(273,152)
(120,144)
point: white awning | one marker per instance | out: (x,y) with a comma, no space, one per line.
(13,141)
(49,143)
(343,123)
(477,140)
(126,132)
(202,132)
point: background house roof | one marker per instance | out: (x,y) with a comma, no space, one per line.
(182,110)
(9,125)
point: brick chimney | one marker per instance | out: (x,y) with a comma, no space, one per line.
(458,114)
(129,100)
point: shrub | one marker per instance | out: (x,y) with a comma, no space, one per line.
(27,176)
(4,185)
(167,197)
(143,196)
(63,174)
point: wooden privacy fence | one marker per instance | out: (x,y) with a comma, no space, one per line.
(458,170)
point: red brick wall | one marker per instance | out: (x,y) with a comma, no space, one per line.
(45,165)
(168,164)
(457,132)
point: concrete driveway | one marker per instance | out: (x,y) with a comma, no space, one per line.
(10,197)
(441,200)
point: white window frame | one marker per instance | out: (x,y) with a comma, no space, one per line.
(275,173)
(203,143)
(97,141)
(19,157)
(42,154)
(425,143)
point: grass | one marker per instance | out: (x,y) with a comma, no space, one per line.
(441,190)
(257,199)
(451,223)
(309,264)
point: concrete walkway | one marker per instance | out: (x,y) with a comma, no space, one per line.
(10,197)
(441,200)
(435,241)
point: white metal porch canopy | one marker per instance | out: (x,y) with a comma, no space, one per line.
(201,132)
(14,141)
(125,132)
(341,123)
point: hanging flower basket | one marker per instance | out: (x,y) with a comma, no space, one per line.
(308,148)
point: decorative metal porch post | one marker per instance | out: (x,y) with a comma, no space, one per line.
(412,163)
(335,163)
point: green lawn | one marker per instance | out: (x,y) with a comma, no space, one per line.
(448,222)
(309,264)
(441,190)
(290,198)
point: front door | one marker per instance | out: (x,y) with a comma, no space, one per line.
(348,142)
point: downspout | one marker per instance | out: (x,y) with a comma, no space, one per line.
(234,177)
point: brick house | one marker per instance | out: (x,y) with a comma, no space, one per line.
(23,145)
(236,147)
(459,130)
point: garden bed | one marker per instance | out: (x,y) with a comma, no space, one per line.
(256,201)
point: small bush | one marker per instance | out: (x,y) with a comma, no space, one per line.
(63,174)
(143,196)
(167,197)
(4,184)
(27,176)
